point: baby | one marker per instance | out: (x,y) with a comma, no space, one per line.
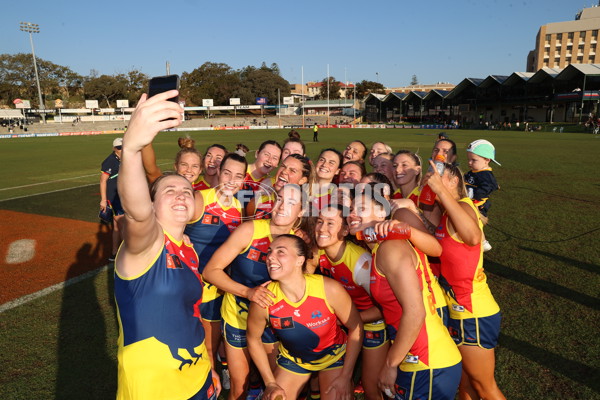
(480,180)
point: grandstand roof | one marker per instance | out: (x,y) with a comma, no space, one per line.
(415,93)
(377,96)
(574,70)
(464,84)
(396,95)
(493,80)
(517,77)
(436,93)
(544,74)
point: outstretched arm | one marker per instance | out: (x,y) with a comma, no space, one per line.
(142,232)
(149,160)
(461,215)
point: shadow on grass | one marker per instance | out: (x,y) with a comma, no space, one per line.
(576,371)
(542,285)
(570,198)
(594,268)
(85,369)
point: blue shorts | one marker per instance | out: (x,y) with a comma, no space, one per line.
(375,339)
(291,366)
(438,384)
(211,310)
(208,391)
(482,332)
(443,313)
(236,337)
(116,206)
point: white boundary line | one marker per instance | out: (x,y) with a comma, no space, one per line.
(52,191)
(34,296)
(45,183)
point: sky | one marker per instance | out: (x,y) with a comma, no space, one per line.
(386,41)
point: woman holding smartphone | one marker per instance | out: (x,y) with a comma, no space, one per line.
(474,321)
(158,289)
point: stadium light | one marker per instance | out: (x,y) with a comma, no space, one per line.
(34,28)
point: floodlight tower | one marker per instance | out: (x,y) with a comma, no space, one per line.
(34,28)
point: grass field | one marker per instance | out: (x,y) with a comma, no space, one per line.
(544,269)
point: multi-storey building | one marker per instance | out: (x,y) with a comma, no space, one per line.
(559,44)
(421,88)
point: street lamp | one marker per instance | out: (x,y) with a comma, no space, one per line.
(34,28)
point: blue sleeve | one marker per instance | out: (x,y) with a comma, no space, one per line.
(485,185)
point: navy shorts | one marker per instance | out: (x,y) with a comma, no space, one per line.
(443,313)
(236,337)
(211,310)
(482,332)
(438,384)
(116,206)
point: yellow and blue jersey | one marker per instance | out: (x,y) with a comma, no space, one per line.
(250,269)
(214,226)
(433,348)
(462,276)
(307,330)
(161,350)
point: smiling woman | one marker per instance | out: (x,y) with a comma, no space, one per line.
(157,284)
(304,311)
(245,255)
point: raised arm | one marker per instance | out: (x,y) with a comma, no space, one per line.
(142,231)
(150,166)
(463,217)
(346,312)
(396,260)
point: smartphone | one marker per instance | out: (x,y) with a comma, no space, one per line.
(160,84)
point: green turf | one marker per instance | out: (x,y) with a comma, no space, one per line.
(543,270)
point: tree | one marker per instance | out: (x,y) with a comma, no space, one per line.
(334,89)
(17,78)
(263,82)
(106,88)
(215,81)
(137,83)
(414,81)
(364,87)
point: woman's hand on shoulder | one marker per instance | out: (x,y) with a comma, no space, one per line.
(398,204)
(261,295)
